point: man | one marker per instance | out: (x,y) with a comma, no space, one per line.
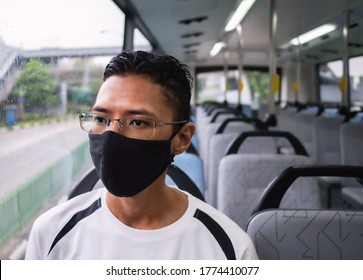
(137,125)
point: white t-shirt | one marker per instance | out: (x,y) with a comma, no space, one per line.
(84,228)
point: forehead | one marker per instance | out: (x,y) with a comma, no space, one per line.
(121,94)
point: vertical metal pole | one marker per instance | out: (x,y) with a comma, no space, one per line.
(193,100)
(298,75)
(346,90)
(225,60)
(240,65)
(129,33)
(272,52)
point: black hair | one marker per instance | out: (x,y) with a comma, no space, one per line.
(163,70)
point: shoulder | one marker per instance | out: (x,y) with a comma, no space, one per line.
(216,215)
(65,210)
(221,225)
(48,225)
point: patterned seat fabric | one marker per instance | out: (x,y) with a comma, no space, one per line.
(217,150)
(243,178)
(281,234)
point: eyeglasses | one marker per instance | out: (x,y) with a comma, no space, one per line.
(136,128)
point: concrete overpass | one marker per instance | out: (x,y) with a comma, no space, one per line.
(12,60)
(76,52)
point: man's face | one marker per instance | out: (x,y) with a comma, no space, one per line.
(134,96)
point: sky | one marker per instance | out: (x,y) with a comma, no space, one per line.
(35,24)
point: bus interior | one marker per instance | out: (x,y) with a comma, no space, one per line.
(277,103)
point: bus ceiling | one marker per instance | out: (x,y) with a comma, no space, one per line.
(188,29)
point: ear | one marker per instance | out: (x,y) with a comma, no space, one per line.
(183,139)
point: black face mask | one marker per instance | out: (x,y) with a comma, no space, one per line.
(128,166)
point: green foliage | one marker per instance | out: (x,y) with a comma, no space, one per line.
(259,82)
(36,84)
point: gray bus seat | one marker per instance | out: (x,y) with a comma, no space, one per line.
(211,129)
(219,144)
(91,181)
(285,234)
(192,165)
(305,234)
(243,178)
(303,123)
(351,141)
(326,139)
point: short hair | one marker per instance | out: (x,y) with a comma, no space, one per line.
(163,70)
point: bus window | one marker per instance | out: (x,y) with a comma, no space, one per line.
(330,75)
(356,80)
(52,57)
(141,42)
(211,87)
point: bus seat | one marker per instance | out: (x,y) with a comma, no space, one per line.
(192,165)
(305,234)
(303,123)
(217,150)
(194,146)
(285,234)
(206,120)
(243,178)
(229,125)
(211,129)
(251,142)
(183,181)
(91,181)
(353,196)
(85,184)
(351,140)
(326,139)
(286,122)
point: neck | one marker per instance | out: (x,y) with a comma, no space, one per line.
(157,206)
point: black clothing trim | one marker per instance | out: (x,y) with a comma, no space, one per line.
(74,220)
(218,232)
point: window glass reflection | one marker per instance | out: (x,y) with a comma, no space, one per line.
(52,57)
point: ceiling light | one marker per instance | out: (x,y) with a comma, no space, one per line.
(239,14)
(312,34)
(216,48)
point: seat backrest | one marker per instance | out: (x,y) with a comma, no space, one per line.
(326,139)
(202,120)
(351,145)
(211,129)
(183,181)
(221,116)
(207,117)
(286,122)
(286,119)
(85,184)
(192,166)
(305,233)
(304,132)
(217,150)
(243,178)
(91,181)
(285,234)
(295,143)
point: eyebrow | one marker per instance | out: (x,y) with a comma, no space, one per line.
(130,112)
